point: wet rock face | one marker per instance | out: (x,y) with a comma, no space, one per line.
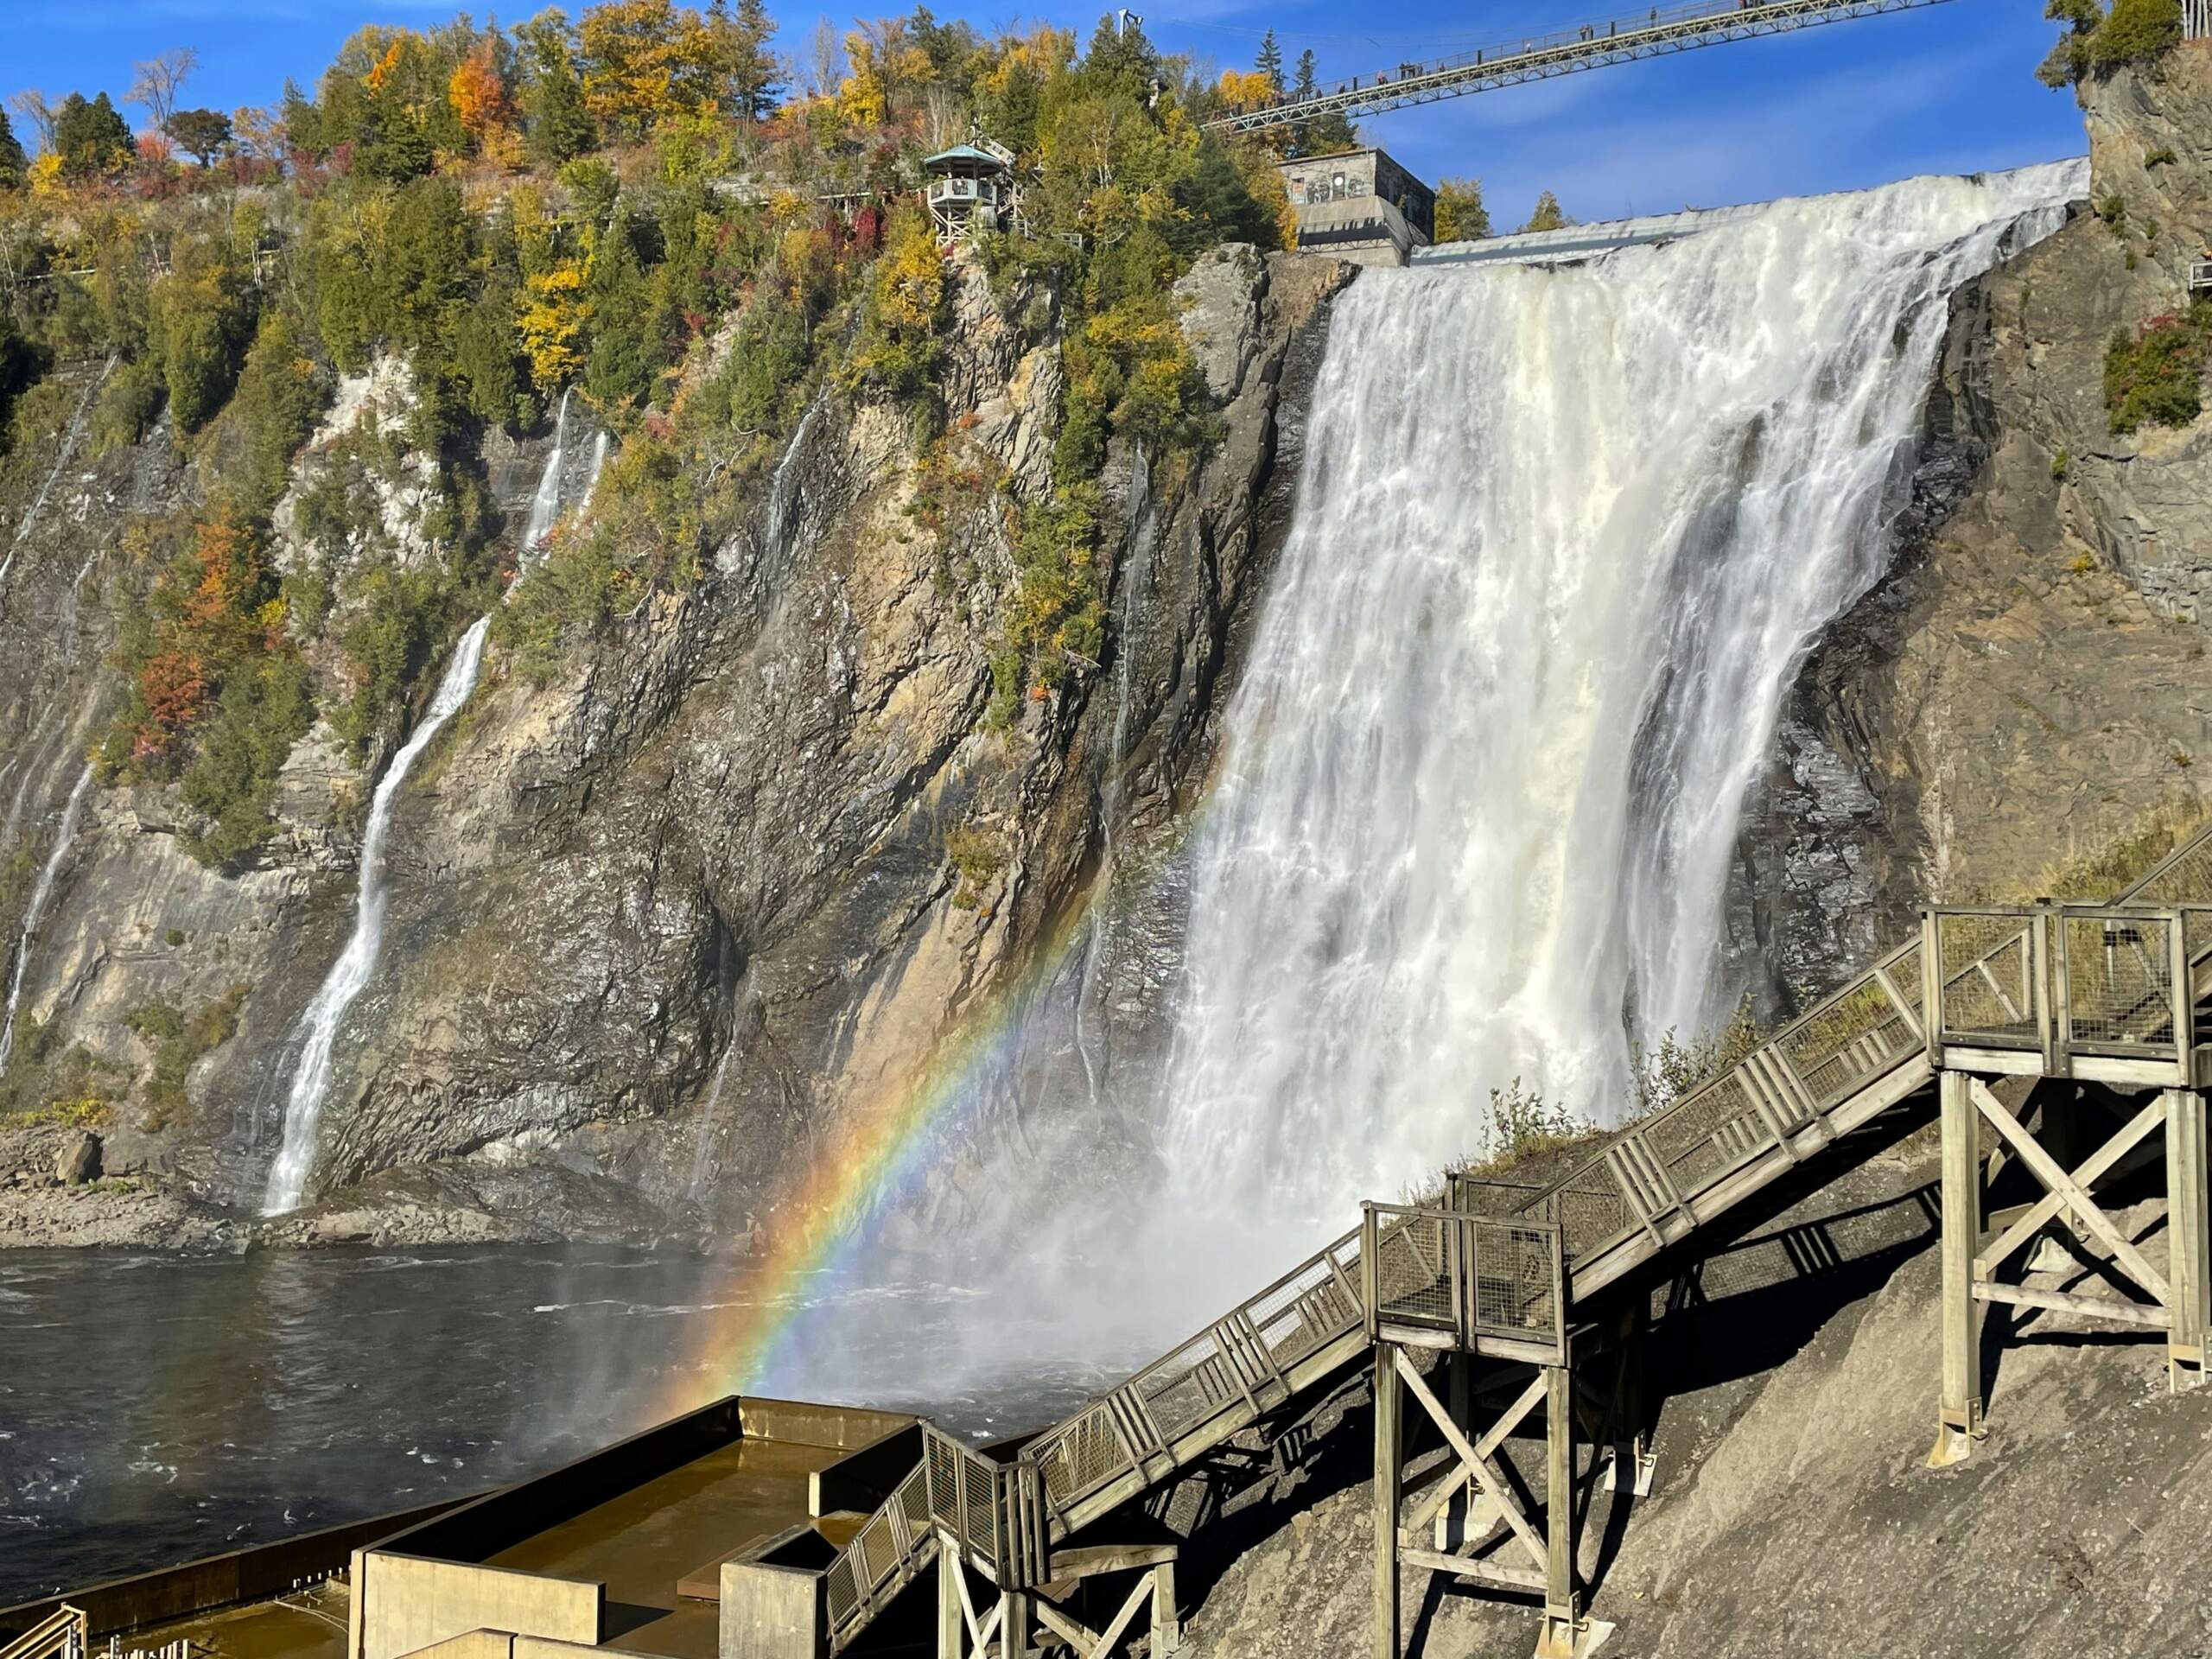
(2031,680)
(657,928)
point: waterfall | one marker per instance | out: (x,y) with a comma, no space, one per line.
(42,894)
(1562,538)
(349,976)
(70,438)
(545,502)
(350,973)
(1136,581)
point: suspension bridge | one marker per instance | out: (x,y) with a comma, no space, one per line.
(1655,33)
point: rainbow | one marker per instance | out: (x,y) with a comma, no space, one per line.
(878,1153)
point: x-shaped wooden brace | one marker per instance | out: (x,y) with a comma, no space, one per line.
(1475,1465)
(1087,1643)
(2068,1192)
(980,1631)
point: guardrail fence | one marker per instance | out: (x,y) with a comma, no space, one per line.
(2102,982)
(1481,1281)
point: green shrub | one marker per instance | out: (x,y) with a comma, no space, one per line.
(180,1041)
(2135,31)
(2154,376)
(201,319)
(127,407)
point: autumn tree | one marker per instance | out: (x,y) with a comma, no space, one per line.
(201,134)
(1460,215)
(479,95)
(1548,216)
(91,138)
(643,61)
(156,83)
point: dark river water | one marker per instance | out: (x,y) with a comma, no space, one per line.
(156,1408)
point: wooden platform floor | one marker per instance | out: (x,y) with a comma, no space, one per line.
(643,1542)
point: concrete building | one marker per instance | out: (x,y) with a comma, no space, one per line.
(1360,204)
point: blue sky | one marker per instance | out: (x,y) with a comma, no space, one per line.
(1949,89)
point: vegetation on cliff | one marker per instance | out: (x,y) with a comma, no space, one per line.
(644,207)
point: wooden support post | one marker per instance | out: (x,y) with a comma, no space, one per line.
(1557,1639)
(1166,1623)
(1387,1471)
(1632,1462)
(2188,1246)
(1014,1624)
(1960,1420)
(951,1624)
(1451,1523)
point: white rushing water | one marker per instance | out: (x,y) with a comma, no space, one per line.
(545,501)
(33,913)
(350,975)
(1562,538)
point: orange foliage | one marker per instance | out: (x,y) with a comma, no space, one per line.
(225,555)
(386,67)
(479,97)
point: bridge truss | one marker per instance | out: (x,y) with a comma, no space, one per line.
(1591,46)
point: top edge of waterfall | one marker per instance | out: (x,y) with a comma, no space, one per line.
(2068,180)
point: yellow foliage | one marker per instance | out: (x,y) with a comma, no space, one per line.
(1246,89)
(45,178)
(644,61)
(909,283)
(553,314)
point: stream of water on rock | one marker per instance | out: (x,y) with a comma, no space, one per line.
(349,976)
(34,912)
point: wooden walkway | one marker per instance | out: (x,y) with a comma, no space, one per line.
(1497,1278)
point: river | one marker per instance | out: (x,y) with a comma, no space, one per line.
(156,1408)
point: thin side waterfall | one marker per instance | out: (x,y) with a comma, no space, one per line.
(70,438)
(350,975)
(1562,538)
(1136,581)
(41,895)
(545,503)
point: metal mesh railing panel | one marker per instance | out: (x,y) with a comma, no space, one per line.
(843,1599)
(1412,1271)
(1302,1314)
(1848,1039)
(1080,1456)
(982,1488)
(1515,1281)
(1190,1387)
(913,1500)
(2120,981)
(1588,1208)
(1989,992)
(2185,878)
(1689,1141)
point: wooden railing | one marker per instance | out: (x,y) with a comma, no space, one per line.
(61,1635)
(2112,987)
(1447,1278)
(1500,1268)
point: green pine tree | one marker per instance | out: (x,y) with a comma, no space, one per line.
(1548,216)
(13,162)
(1269,62)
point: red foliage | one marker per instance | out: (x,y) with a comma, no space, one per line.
(175,685)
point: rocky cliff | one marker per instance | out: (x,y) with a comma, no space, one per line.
(2029,682)
(659,922)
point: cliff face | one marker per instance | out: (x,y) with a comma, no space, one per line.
(2030,682)
(657,926)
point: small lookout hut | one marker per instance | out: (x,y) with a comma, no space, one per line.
(970,188)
